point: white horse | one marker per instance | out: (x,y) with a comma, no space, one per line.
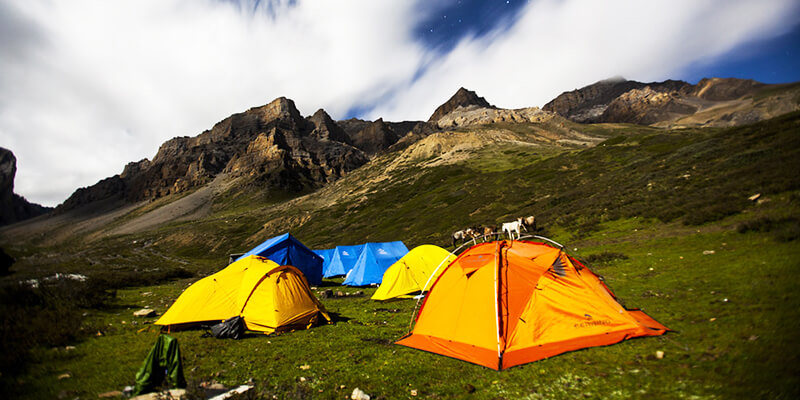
(529,222)
(510,227)
(459,235)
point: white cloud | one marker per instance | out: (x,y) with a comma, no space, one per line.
(556,46)
(87,86)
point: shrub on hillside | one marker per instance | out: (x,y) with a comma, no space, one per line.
(783,229)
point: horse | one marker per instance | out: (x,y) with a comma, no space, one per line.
(529,222)
(459,235)
(510,227)
(489,231)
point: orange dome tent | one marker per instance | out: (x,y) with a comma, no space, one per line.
(506,303)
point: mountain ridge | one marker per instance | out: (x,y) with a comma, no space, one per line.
(275,149)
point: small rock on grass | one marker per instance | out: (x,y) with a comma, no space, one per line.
(145,312)
(106,395)
(359,394)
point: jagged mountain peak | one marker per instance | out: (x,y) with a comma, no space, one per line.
(462,98)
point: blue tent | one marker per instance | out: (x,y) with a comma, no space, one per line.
(327,255)
(287,250)
(374,260)
(343,260)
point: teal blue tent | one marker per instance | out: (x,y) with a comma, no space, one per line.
(343,260)
(287,250)
(374,260)
(326,255)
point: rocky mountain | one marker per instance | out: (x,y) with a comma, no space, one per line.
(13,207)
(273,147)
(462,98)
(665,103)
(272,144)
(375,137)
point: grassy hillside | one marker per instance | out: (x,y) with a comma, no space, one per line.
(663,215)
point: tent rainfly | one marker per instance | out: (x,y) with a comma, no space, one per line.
(374,260)
(327,255)
(421,266)
(343,260)
(506,303)
(287,250)
(269,297)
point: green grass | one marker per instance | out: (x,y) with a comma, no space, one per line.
(747,339)
(643,207)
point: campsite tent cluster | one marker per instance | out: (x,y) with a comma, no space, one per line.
(498,304)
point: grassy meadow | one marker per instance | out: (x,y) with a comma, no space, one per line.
(663,216)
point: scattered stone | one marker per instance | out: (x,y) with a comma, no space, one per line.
(752,338)
(145,312)
(359,394)
(413,392)
(305,367)
(326,294)
(147,294)
(659,354)
(216,386)
(358,293)
(712,319)
(169,394)
(339,293)
(114,393)
(302,379)
(234,392)
(707,252)
(69,348)
(65,375)
(754,197)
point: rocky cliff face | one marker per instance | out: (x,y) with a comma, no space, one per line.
(589,103)
(620,100)
(375,137)
(13,207)
(273,143)
(646,106)
(462,98)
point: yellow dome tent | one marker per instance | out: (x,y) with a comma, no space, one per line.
(269,298)
(410,273)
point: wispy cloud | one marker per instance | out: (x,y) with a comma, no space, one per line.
(87,86)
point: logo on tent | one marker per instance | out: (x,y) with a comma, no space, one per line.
(344,253)
(383,252)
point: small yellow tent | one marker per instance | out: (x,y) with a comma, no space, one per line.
(410,273)
(269,298)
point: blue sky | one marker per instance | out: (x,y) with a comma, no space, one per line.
(87,86)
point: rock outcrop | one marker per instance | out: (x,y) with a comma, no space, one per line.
(376,137)
(272,143)
(462,98)
(646,106)
(13,207)
(589,103)
(474,115)
(620,100)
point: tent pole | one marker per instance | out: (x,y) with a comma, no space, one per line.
(498,248)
